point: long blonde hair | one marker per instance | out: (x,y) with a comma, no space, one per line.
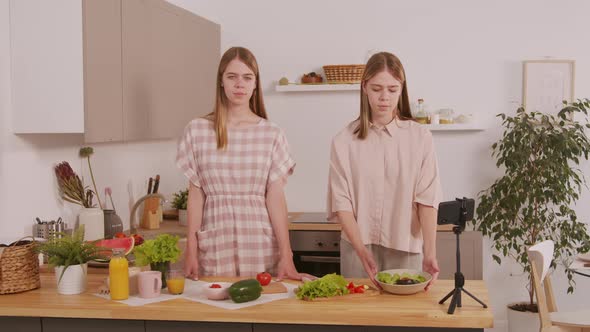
(376,64)
(219,114)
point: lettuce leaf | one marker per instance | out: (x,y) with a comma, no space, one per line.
(326,286)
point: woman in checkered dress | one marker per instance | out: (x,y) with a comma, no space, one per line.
(237,163)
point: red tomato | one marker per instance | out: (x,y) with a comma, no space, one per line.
(359,289)
(263,278)
(215,286)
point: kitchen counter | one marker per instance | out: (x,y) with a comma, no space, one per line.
(419,310)
(298,221)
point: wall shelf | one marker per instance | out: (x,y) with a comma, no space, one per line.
(317,87)
(456,127)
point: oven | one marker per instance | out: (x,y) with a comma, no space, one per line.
(316,252)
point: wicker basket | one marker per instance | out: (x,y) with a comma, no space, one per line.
(19,268)
(344,73)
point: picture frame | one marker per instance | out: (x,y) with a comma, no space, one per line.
(547,83)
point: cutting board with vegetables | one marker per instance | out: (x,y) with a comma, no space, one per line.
(367,293)
(333,287)
(274,287)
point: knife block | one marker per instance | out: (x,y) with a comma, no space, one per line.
(152,213)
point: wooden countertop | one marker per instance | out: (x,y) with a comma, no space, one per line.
(298,221)
(419,310)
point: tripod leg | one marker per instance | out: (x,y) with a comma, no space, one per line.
(446,297)
(459,297)
(453,304)
(475,298)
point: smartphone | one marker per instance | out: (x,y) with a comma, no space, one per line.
(450,212)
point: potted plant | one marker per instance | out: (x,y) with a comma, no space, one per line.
(533,200)
(69,254)
(73,190)
(158,253)
(179,202)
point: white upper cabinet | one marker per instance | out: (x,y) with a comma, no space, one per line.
(114,70)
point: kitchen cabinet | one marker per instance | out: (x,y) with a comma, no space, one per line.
(112,70)
(21,324)
(98,325)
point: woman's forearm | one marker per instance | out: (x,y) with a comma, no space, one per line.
(276,204)
(195,204)
(427,216)
(351,229)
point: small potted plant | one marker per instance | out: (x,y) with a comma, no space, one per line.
(179,202)
(158,253)
(69,254)
(534,199)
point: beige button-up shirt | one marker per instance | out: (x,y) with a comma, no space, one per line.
(382,179)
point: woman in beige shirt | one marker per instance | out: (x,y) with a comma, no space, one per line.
(384,183)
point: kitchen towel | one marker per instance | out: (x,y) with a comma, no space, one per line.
(193,291)
(135,300)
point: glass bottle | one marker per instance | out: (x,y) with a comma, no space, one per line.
(421,116)
(119,275)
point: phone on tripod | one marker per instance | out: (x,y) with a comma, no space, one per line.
(450,212)
(457,213)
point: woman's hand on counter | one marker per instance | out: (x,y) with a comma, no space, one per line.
(191,266)
(287,270)
(430,265)
(369,264)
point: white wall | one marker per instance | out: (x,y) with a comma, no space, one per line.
(461,54)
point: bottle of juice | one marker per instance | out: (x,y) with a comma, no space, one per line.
(119,275)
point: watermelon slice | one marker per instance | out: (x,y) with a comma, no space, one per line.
(126,243)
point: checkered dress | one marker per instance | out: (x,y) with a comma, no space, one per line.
(236,237)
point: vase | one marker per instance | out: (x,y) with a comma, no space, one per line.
(112,224)
(93,221)
(182,217)
(162,267)
(73,280)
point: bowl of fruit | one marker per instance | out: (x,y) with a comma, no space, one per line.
(403,281)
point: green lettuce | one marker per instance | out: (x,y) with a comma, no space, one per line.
(387,278)
(161,249)
(326,286)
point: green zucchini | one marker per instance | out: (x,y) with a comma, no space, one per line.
(245,290)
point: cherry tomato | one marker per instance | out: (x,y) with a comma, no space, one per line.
(120,235)
(264,278)
(215,286)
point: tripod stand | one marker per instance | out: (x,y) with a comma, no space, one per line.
(459,278)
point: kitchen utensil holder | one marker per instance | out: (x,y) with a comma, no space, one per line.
(152,213)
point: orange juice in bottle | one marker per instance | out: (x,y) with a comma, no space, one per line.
(119,275)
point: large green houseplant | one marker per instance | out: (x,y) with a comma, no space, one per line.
(533,200)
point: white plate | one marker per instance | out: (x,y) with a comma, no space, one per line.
(585,257)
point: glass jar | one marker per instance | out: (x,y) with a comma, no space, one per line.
(421,115)
(119,275)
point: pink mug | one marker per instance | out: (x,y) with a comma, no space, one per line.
(149,284)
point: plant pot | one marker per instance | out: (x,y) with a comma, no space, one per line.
(182,216)
(522,321)
(162,267)
(112,224)
(93,221)
(73,280)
